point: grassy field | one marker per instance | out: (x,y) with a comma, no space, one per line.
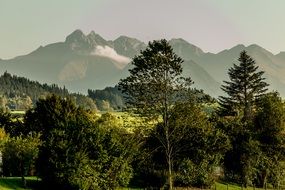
(221,186)
(224,186)
(15,183)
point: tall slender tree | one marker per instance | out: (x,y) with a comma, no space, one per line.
(154,85)
(245,86)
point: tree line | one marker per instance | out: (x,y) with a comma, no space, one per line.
(177,144)
(20,93)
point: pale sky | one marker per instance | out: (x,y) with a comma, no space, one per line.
(212,25)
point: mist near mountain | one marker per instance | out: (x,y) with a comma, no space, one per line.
(89,61)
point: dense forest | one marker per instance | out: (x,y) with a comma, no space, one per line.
(13,86)
(20,93)
(107,99)
(166,138)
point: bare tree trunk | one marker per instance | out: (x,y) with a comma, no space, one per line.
(170,180)
(168,150)
(169,158)
(24,182)
(265,180)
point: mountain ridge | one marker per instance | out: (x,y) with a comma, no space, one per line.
(89,61)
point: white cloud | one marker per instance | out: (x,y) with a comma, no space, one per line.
(106,51)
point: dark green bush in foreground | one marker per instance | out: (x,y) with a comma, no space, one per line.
(78,150)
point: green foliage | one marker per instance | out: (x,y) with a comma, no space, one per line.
(104,105)
(241,160)
(80,151)
(112,95)
(84,101)
(155,84)
(3,139)
(200,146)
(13,86)
(15,183)
(11,124)
(50,113)
(19,155)
(19,103)
(111,98)
(245,104)
(3,103)
(197,148)
(21,93)
(5,119)
(191,174)
(257,149)
(155,80)
(270,124)
(245,86)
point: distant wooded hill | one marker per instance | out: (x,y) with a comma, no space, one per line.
(13,86)
(21,93)
(108,98)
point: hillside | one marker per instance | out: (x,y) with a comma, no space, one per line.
(21,93)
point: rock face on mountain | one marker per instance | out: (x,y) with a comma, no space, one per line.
(84,62)
(80,62)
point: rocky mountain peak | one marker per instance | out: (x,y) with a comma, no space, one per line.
(257,48)
(234,50)
(76,36)
(179,40)
(126,39)
(128,46)
(95,39)
(239,47)
(92,34)
(79,42)
(185,49)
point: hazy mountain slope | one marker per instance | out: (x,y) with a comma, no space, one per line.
(201,78)
(218,64)
(84,62)
(280,56)
(186,50)
(73,63)
(128,46)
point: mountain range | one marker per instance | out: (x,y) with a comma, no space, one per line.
(85,62)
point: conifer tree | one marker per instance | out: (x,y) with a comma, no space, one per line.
(245,86)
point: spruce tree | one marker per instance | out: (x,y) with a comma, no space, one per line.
(245,86)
